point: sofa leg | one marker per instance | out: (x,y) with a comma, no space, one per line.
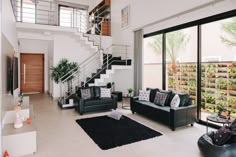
(191,124)
(81,113)
(173,128)
(132,112)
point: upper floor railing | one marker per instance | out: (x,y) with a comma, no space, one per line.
(55,13)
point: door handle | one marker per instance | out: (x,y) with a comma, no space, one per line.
(24,73)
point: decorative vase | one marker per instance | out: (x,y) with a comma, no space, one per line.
(19,120)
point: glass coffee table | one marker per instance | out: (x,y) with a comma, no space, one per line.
(219,120)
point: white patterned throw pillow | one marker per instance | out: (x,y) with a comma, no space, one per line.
(105,93)
(175,101)
(144,95)
(160,98)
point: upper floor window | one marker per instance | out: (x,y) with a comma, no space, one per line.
(73,17)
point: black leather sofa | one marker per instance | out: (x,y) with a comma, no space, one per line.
(209,149)
(96,103)
(173,117)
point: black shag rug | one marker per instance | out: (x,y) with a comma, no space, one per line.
(109,133)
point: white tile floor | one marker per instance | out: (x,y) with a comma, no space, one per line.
(58,135)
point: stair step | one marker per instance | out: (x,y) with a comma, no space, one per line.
(116,58)
(88,79)
(111,60)
(93,74)
(105,58)
(98,70)
(122,62)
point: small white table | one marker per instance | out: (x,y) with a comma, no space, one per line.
(19,142)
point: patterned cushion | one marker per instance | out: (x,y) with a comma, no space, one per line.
(168,101)
(152,93)
(175,101)
(222,136)
(105,93)
(160,98)
(144,95)
(86,93)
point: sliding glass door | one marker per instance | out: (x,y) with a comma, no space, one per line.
(152,62)
(218,67)
(198,58)
(181,61)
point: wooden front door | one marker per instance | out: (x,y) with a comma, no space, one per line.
(32,73)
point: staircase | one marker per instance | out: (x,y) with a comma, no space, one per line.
(93,71)
(110,64)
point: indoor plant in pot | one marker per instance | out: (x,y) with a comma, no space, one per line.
(130,92)
(64,69)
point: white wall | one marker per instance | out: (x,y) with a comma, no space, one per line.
(8,44)
(37,47)
(1,78)
(143,13)
(50,64)
(218,7)
(8,23)
(74,50)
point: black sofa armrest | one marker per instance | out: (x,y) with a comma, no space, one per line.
(132,105)
(134,98)
(80,106)
(182,116)
(115,100)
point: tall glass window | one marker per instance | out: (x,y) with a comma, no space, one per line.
(74,17)
(218,64)
(28,11)
(218,67)
(152,62)
(181,60)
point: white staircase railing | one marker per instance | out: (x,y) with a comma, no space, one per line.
(101,60)
(74,77)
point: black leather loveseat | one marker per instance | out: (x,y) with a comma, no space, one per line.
(173,117)
(96,103)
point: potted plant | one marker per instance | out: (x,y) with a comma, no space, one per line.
(64,69)
(130,92)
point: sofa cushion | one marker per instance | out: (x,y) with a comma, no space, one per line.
(105,92)
(150,104)
(144,95)
(152,93)
(185,99)
(175,101)
(86,93)
(78,91)
(168,101)
(222,136)
(98,101)
(97,92)
(160,98)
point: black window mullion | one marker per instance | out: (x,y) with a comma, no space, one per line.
(164,61)
(199,70)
